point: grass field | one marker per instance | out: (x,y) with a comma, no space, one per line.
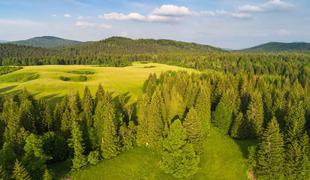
(223,159)
(52,81)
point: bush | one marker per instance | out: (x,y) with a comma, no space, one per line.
(63,78)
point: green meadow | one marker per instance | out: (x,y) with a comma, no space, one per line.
(52,81)
(223,159)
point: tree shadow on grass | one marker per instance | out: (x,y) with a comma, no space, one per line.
(244,145)
(3,90)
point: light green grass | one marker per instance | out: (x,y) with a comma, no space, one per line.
(222,160)
(48,84)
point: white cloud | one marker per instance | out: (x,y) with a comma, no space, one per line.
(138,17)
(54,15)
(250,8)
(67,15)
(85,24)
(171,10)
(271,5)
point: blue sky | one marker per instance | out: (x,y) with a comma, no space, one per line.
(224,23)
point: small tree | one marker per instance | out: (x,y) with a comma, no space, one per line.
(19,172)
(47,175)
(178,157)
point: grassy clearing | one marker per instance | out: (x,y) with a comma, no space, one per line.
(48,84)
(223,160)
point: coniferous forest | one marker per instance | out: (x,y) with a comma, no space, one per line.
(260,97)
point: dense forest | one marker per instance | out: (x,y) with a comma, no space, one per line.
(259,96)
(173,116)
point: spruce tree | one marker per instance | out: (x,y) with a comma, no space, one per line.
(11,118)
(178,157)
(236,127)
(88,108)
(99,95)
(19,172)
(155,124)
(255,114)
(295,125)
(77,143)
(270,153)
(193,127)
(109,138)
(223,112)
(47,175)
(142,114)
(203,107)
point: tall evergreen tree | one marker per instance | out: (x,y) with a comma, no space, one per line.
(255,114)
(142,113)
(223,112)
(155,126)
(77,144)
(109,139)
(99,95)
(203,106)
(19,172)
(178,157)
(193,127)
(270,153)
(88,108)
(236,128)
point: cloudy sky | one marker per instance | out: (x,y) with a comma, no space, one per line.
(224,23)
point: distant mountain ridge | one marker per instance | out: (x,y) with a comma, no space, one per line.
(46,42)
(279,47)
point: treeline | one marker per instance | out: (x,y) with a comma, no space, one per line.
(173,117)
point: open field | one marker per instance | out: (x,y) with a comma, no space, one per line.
(52,81)
(223,159)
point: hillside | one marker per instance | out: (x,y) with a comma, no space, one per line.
(46,42)
(279,47)
(123,45)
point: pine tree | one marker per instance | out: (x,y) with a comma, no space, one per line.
(178,157)
(46,120)
(27,115)
(255,114)
(295,125)
(47,175)
(7,159)
(236,127)
(11,118)
(99,95)
(77,144)
(142,113)
(155,125)
(109,138)
(270,153)
(19,172)
(88,108)
(203,107)
(193,127)
(223,112)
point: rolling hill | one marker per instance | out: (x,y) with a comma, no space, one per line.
(46,42)
(124,45)
(279,47)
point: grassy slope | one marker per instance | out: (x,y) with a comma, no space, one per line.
(120,80)
(223,159)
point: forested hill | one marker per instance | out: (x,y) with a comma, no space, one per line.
(122,45)
(279,47)
(46,42)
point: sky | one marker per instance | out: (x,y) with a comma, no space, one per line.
(233,24)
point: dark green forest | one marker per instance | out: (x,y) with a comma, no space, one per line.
(258,96)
